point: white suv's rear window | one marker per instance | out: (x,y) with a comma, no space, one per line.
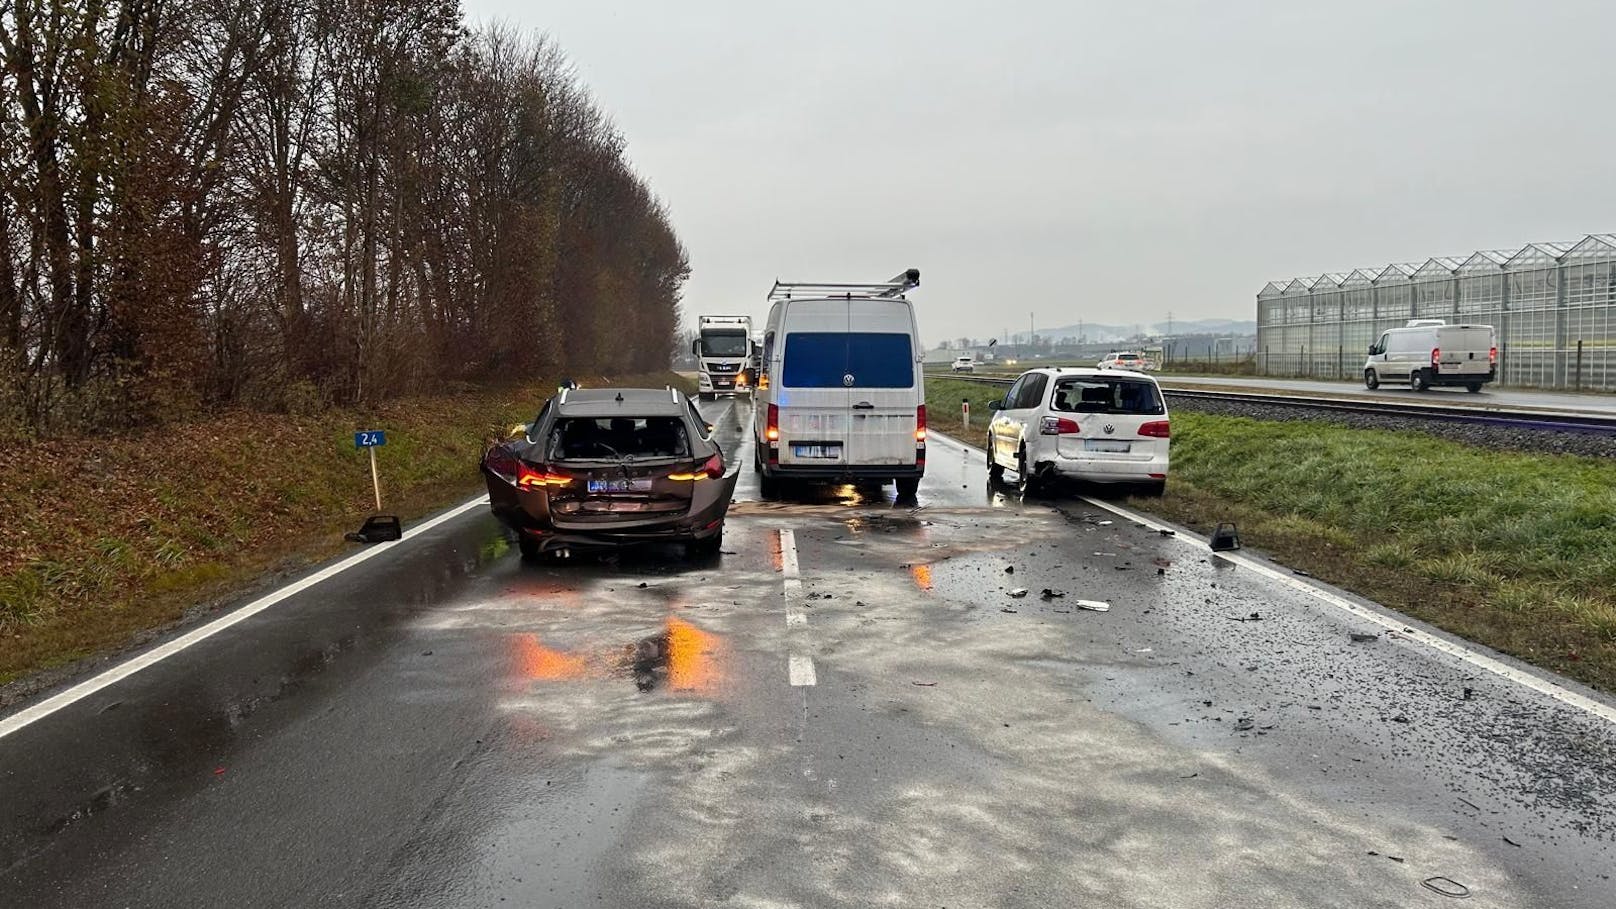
(1107,395)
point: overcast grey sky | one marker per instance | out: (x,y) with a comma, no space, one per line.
(1104,161)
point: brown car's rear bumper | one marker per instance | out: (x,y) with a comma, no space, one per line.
(528,512)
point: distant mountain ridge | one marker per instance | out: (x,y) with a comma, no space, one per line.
(1098,331)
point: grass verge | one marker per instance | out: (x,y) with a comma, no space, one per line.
(108,539)
(1511,550)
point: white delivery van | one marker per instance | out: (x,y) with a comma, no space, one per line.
(840,398)
(1429,352)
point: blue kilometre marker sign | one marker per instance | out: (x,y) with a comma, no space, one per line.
(370,440)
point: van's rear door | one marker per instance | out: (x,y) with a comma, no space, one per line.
(811,391)
(885,391)
(1465,349)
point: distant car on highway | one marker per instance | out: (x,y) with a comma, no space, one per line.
(1428,352)
(608,467)
(965,364)
(1092,425)
(1123,359)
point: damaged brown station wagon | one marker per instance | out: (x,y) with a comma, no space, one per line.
(611,467)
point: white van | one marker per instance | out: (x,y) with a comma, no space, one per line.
(840,398)
(1429,352)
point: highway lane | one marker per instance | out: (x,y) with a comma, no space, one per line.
(446,726)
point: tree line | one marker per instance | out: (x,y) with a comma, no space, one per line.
(288,203)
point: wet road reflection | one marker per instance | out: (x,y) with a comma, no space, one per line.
(681,657)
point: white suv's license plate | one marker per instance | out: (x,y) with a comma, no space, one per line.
(1107,445)
(831,452)
(619,486)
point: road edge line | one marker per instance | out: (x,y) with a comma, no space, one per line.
(1449,647)
(62,699)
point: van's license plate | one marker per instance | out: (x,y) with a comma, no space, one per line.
(833,452)
(1107,445)
(619,485)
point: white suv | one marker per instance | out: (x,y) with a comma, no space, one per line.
(1098,426)
(1123,359)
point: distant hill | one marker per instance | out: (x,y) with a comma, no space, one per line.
(1100,332)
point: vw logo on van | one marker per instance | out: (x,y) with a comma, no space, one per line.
(1109,429)
(848,380)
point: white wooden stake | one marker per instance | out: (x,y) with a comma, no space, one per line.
(375,481)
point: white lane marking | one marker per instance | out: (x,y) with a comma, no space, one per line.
(123,671)
(796,618)
(802,671)
(1475,658)
(788,553)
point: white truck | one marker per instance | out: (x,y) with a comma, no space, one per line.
(1428,352)
(723,349)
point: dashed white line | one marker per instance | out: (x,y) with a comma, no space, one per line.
(156,655)
(796,618)
(1475,658)
(802,671)
(788,553)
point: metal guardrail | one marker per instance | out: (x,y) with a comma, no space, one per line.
(1539,421)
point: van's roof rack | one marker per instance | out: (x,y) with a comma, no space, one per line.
(786,290)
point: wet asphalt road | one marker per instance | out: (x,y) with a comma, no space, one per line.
(446,726)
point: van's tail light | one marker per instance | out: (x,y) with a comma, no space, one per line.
(920,423)
(763,380)
(772,430)
(1492,356)
(711,470)
(528,478)
(1436,356)
(1058,426)
(1157,429)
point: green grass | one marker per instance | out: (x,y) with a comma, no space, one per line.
(1515,551)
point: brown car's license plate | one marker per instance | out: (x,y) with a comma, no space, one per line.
(610,486)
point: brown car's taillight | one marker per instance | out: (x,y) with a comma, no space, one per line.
(528,478)
(711,470)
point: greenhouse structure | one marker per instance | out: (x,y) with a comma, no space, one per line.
(1552,304)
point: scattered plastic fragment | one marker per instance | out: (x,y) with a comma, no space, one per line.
(1009,569)
(1360,637)
(1007,609)
(925,684)
(1447,887)
(1094,605)
(1052,594)
(1225,537)
(1244,723)
(1018,593)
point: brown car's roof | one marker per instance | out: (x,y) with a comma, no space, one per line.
(622,402)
